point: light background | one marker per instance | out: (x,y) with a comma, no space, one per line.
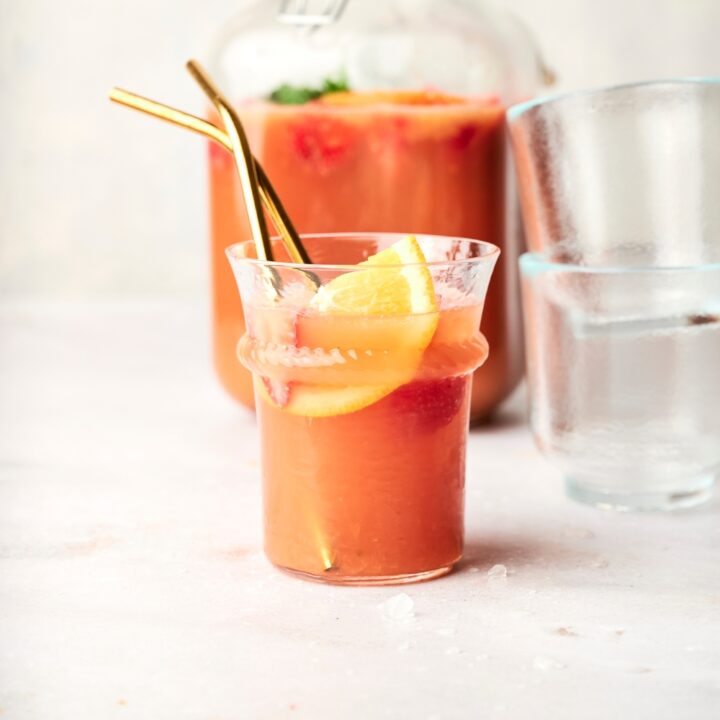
(95,200)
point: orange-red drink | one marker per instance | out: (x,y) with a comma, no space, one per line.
(401,162)
(362,383)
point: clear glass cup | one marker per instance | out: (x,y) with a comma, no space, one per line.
(627,176)
(363,417)
(624,383)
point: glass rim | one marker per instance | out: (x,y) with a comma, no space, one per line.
(518,110)
(489,252)
(532,263)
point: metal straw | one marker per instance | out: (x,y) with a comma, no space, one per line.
(268,195)
(246,170)
(244,161)
(256,186)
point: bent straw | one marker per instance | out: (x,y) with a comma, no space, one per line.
(268,195)
(246,169)
(244,161)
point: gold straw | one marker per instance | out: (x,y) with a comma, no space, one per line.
(248,178)
(256,185)
(244,162)
(268,195)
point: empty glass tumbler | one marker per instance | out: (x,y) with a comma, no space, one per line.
(623,176)
(624,382)
(620,194)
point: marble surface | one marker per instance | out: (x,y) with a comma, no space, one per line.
(132,583)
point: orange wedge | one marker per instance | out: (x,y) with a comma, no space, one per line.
(394,283)
(387,306)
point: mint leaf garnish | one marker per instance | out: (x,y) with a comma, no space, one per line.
(288,94)
(294,95)
(338,84)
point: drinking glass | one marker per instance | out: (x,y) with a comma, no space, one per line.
(624,383)
(627,176)
(363,427)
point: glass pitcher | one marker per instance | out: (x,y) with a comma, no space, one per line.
(388,118)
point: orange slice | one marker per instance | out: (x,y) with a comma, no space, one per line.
(388,303)
(391,97)
(325,400)
(394,283)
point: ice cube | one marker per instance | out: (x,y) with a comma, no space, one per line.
(578,533)
(296,293)
(398,608)
(450,297)
(497,572)
(547,663)
(446,631)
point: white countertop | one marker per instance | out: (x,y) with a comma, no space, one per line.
(132,582)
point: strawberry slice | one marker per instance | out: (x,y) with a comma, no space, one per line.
(278,392)
(463,136)
(322,141)
(427,405)
(277,326)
